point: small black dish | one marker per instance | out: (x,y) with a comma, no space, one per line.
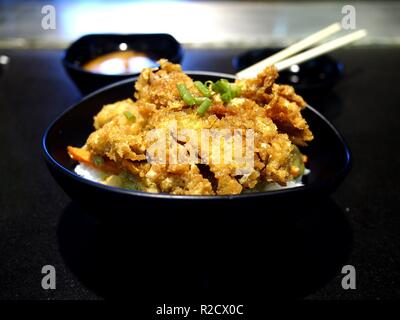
(315,75)
(86,48)
(329,162)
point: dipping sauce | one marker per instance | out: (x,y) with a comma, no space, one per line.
(120,62)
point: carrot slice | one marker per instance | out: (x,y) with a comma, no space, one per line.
(84,156)
(79,154)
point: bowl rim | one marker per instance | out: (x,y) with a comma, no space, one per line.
(143,194)
(69,64)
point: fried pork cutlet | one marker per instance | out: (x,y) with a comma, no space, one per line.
(281,103)
(177,136)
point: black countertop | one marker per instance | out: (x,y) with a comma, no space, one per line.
(300,256)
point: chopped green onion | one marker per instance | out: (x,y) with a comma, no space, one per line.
(235,90)
(129,181)
(221,86)
(208,83)
(227,90)
(297,160)
(201,110)
(98,160)
(131,185)
(227,96)
(185,94)
(130,116)
(199,100)
(202,88)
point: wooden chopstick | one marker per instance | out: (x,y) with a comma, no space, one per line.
(324,48)
(289,51)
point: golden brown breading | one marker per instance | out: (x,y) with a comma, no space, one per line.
(282,104)
(271,112)
(286,114)
(259,89)
(159,86)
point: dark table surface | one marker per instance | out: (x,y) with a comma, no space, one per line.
(358,225)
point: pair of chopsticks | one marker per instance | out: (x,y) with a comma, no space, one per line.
(284,59)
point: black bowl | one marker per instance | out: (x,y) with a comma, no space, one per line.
(329,161)
(88,47)
(315,75)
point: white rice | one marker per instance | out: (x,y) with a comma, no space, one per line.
(96,175)
(290,184)
(89,173)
